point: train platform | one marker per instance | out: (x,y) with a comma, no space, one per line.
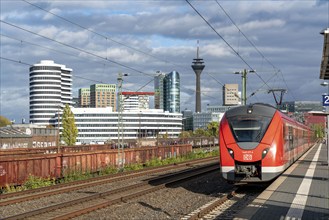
(301,192)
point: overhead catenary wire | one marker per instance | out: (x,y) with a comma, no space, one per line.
(28,64)
(81,50)
(78,49)
(73,75)
(254,46)
(227,43)
(238,54)
(105,37)
(43,47)
(102,35)
(84,28)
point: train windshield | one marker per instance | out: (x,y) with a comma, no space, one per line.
(249,129)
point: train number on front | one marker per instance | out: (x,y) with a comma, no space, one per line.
(247,156)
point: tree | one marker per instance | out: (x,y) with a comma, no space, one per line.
(200,132)
(70,131)
(4,121)
(212,128)
(185,134)
(319,130)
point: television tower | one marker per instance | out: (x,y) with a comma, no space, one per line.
(198,67)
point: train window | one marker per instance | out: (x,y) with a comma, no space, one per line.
(249,129)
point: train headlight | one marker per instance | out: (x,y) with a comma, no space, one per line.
(231,152)
(265,151)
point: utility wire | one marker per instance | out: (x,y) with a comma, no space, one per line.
(101,35)
(228,44)
(28,64)
(43,47)
(252,44)
(75,48)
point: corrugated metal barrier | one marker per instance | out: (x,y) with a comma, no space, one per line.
(16,165)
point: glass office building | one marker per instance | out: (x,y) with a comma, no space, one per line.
(171,90)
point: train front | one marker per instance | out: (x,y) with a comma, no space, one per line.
(249,136)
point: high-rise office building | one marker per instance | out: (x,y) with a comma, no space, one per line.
(50,90)
(103,95)
(136,100)
(230,94)
(158,90)
(171,92)
(84,97)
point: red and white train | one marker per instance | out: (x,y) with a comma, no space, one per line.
(258,142)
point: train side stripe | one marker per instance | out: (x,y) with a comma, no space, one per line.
(226,169)
(277,169)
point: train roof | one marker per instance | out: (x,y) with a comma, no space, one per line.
(260,109)
(256,109)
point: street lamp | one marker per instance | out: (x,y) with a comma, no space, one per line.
(325,84)
(244,85)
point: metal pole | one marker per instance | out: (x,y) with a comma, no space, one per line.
(120,125)
(58,138)
(244,87)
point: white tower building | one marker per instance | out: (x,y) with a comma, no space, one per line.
(50,90)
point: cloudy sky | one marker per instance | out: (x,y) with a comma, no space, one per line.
(280,40)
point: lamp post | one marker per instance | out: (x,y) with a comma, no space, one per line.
(327,122)
(244,85)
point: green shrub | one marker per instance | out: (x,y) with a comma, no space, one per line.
(136,166)
(34,182)
(107,170)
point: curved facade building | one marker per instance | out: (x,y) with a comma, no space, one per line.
(50,89)
(171,90)
(101,124)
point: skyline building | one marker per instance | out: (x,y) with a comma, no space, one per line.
(187,120)
(171,92)
(50,90)
(84,97)
(136,100)
(230,94)
(101,124)
(158,90)
(197,67)
(103,95)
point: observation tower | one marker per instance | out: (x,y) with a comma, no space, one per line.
(198,66)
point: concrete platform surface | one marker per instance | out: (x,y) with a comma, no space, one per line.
(302,192)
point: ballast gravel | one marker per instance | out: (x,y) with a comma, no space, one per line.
(173,202)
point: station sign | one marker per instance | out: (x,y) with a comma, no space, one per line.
(325,100)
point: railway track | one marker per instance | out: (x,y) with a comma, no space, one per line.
(227,205)
(96,201)
(13,198)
